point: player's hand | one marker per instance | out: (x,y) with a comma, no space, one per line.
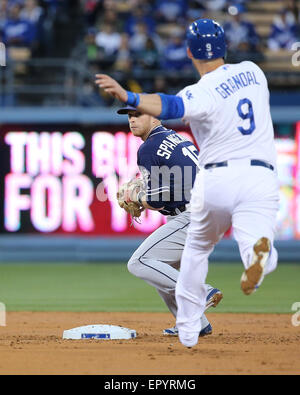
(111,87)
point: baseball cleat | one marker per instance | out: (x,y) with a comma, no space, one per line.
(213,298)
(206,331)
(252,277)
(171,331)
(174,331)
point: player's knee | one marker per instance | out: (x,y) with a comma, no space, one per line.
(134,266)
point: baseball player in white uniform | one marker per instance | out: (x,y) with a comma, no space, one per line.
(237,185)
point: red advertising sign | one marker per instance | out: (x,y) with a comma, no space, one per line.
(66,182)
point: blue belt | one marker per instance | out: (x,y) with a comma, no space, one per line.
(253,162)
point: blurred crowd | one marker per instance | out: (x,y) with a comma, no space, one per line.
(242,35)
(20,23)
(145,36)
(32,25)
(136,37)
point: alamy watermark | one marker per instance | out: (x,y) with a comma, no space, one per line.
(2,314)
(296,57)
(162,183)
(296,316)
(2,55)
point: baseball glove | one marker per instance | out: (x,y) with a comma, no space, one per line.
(125,196)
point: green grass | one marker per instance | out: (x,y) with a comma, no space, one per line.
(278,292)
(109,287)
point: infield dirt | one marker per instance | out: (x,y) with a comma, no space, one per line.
(31,343)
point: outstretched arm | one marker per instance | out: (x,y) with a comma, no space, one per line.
(158,105)
(150,104)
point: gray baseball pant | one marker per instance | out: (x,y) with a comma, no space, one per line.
(157,260)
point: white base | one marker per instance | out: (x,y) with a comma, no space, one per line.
(102,332)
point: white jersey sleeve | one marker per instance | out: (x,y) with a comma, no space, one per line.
(198,103)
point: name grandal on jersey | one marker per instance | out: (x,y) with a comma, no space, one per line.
(236,82)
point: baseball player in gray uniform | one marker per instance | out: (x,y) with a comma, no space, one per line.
(168,190)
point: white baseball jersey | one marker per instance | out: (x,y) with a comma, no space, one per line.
(229,114)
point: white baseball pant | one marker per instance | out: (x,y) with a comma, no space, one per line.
(239,195)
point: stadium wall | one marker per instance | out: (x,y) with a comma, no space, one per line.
(79,115)
(53,249)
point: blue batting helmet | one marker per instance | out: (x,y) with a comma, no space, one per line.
(206,39)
